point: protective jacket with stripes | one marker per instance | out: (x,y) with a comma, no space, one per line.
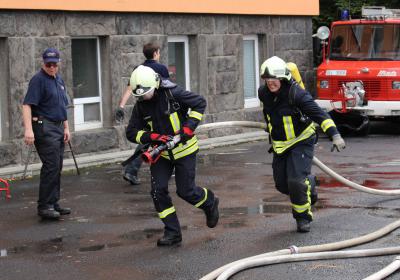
(165,115)
(289,117)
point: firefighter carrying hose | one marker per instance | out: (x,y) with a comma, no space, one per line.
(163,110)
(289,112)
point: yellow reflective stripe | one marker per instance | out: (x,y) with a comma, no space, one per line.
(289,129)
(204,199)
(301,208)
(196,115)
(139,135)
(281,146)
(183,150)
(308,183)
(269,124)
(150,124)
(327,124)
(175,122)
(166,212)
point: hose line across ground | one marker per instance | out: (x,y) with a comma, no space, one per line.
(323,251)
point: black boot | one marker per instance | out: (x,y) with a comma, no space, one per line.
(212,214)
(303,225)
(62,211)
(169,239)
(49,214)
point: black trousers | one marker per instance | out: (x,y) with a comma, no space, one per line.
(185,173)
(49,143)
(133,167)
(292,176)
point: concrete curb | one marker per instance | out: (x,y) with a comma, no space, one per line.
(83,160)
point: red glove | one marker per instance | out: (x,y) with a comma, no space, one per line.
(186,134)
(159,138)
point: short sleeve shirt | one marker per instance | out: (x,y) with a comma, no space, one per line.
(47,96)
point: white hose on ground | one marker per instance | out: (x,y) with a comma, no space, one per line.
(226,271)
(307,257)
(351,184)
(386,271)
(310,249)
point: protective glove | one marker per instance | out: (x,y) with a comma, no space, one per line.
(186,134)
(160,138)
(338,143)
(119,114)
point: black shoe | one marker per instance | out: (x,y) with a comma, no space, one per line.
(131,179)
(212,214)
(169,239)
(63,211)
(303,225)
(50,214)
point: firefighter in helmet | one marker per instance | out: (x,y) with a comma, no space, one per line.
(163,110)
(289,112)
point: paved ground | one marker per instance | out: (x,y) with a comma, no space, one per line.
(112,231)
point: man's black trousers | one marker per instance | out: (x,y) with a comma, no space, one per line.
(49,143)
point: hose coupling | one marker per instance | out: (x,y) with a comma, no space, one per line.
(294,249)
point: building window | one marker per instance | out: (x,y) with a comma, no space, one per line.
(251,82)
(86,83)
(178,60)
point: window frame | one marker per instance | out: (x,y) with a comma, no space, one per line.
(185,40)
(253,102)
(78,103)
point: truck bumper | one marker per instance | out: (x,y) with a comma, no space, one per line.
(373,108)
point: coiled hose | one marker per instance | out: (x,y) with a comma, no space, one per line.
(294,253)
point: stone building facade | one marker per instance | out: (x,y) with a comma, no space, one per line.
(215,59)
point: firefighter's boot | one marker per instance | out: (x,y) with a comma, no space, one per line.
(169,239)
(303,225)
(212,214)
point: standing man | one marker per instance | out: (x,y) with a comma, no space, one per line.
(152,53)
(289,112)
(45,120)
(162,110)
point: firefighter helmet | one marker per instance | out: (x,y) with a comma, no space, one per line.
(143,81)
(275,68)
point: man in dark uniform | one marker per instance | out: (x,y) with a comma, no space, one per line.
(289,112)
(164,109)
(45,121)
(152,53)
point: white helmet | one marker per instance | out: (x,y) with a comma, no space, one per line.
(143,81)
(275,68)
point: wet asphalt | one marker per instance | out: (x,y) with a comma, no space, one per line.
(112,231)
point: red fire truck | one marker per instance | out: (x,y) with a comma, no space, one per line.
(359,77)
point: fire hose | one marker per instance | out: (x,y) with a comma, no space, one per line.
(315,252)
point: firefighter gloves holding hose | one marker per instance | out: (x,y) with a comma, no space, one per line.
(186,134)
(159,138)
(338,143)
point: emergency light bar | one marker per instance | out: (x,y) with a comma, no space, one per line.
(379,12)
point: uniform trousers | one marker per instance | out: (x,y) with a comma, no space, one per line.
(185,173)
(49,143)
(292,176)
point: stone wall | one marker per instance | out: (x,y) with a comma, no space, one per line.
(215,46)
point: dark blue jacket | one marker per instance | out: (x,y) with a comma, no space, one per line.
(47,96)
(157,67)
